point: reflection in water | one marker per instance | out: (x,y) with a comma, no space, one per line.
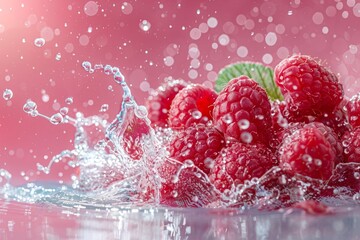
(36,221)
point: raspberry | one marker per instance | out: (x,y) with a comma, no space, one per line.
(159,102)
(192,105)
(308,87)
(326,131)
(242,111)
(199,143)
(240,162)
(353,110)
(351,142)
(307,152)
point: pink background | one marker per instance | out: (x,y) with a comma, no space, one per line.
(189,39)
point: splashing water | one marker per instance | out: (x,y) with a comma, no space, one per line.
(126,162)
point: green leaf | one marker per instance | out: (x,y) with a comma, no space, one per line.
(256,71)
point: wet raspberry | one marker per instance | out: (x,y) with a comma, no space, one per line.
(242,111)
(308,87)
(192,105)
(159,101)
(199,143)
(307,152)
(240,162)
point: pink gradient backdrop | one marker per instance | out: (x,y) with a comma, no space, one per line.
(192,40)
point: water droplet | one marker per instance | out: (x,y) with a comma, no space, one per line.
(141,112)
(246,137)
(56,119)
(108,69)
(64,111)
(196,114)
(119,78)
(189,163)
(174,193)
(145,25)
(126,8)
(227,119)
(357,175)
(195,198)
(356,197)
(39,42)
(244,124)
(104,107)
(174,179)
(318,162)
(87,66)
(69,100)
(58,57)
(7,94)
(29,106)
(209,163)
(307,158)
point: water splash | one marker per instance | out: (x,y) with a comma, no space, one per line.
(126,162)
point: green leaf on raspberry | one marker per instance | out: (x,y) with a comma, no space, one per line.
(260,73)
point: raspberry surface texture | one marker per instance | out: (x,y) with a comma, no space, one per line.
(159,101)
(199,143)
(242,111)
(353,110)
(351,142)
(307,152)
(193,104)
(240,162)
(308,87)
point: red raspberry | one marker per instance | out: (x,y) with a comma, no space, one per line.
(159,102)
(308,87)
(353,110)
(192,105)
(240,162)
(326,131)
(307,152)
(200,144)
(242,111)
(351,142)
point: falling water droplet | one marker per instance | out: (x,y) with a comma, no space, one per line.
(56,119)
(145,25)
(104,108)
(64,111)
(39,42)
(69,100)
(29,106)
(7,94)
(58,57)
(87,66)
